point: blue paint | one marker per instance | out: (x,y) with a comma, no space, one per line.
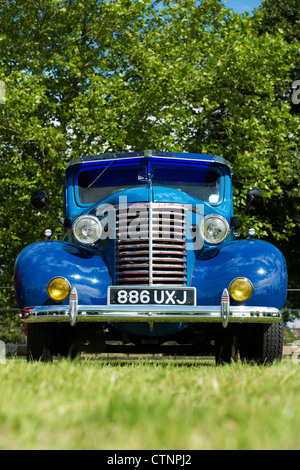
(259,261)
(40,262)
(139,178)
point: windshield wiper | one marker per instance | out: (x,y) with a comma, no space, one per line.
(99,176)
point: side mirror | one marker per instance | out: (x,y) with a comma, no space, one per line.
(39,199)
(254,196)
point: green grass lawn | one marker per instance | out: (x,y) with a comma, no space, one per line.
(165,405)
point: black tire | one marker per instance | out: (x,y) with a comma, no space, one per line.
(262,344)
(40,342)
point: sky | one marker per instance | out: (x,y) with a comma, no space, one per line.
(241,6)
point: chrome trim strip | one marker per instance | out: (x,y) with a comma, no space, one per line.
(225,308)
(133,155)
(151,252)
(73,306)
(107,313)
(150,244)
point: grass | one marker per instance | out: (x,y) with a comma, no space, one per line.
(148,405)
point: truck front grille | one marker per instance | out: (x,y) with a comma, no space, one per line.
(151,245)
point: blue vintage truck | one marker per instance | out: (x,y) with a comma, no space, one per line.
(149,262)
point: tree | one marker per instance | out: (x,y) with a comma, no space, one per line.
(278,16)
(56,59)
(281,15)
(85,77)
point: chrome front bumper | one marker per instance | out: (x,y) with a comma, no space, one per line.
(103,313)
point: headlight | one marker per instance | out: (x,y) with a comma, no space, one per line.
(241,289)
(214,229)
(87,229)
(59,289)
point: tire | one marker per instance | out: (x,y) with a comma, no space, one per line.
(263,344)
(40,342)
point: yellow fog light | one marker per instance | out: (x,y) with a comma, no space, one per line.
(58,289)
(241,289)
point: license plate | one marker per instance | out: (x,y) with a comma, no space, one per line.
(152,296)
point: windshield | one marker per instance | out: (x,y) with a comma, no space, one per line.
(98,181)
(201,182)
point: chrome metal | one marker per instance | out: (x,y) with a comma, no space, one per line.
(156,254)
(132,155)
(150,245)
(91,217)
(214,216)
(251,232)
(140,313)
(225,308)
(73,306)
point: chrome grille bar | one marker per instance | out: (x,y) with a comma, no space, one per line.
(151,245)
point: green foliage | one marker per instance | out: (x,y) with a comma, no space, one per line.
(281,15)
(91,77)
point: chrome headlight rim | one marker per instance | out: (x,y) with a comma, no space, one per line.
(80,240)
(226,228)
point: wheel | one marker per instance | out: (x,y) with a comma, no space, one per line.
(262,344)
(40,341)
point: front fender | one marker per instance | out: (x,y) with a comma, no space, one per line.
(39,262)
(262,263)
